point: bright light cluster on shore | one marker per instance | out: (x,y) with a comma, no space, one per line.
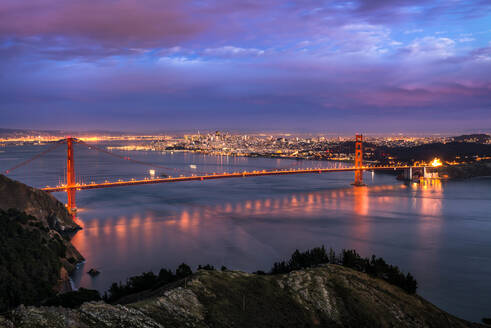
(436,162)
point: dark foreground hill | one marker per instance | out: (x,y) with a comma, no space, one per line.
(36,255)
(325,296)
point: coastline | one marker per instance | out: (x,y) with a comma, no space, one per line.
(465,171)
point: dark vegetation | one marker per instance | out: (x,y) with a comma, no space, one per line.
(298,260)
(29,260)
(375,267)
(486,321)
(460,151)
(74,299)
(206,267)
(477,169)
(148,280)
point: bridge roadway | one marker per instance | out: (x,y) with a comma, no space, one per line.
(221,176)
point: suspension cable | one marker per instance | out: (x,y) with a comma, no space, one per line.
(51,148)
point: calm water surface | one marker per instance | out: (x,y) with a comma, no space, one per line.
(440,232)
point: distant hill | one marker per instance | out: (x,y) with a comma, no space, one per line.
(9,132)
(479,138)
(460,151)
(465,171)
(61,133)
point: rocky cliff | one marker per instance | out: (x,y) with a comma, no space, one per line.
(326,296)
(52,220)
(35,202)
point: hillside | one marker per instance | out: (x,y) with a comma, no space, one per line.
(325,296)
(49,212)
(461,151)
(36,255)
(476,137)
(464,171)
(35,202)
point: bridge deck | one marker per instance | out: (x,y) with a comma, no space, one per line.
(219,176)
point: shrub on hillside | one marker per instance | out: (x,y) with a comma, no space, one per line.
(74,299)
(146,281)
(375,266)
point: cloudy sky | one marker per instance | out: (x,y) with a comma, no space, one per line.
(328,66)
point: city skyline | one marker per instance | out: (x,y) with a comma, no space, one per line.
(337,66)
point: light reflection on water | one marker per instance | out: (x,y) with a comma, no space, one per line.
(274,225)
(437,231)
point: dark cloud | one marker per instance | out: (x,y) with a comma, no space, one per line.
(125,22)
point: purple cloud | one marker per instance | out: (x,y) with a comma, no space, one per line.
(245,61)
(124,22)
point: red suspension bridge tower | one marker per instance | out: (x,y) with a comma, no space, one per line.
(70,176)
(359,160)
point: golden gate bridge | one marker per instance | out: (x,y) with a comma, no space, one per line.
(71,185)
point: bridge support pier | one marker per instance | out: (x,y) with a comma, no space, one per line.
(70,177)
(358,161)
